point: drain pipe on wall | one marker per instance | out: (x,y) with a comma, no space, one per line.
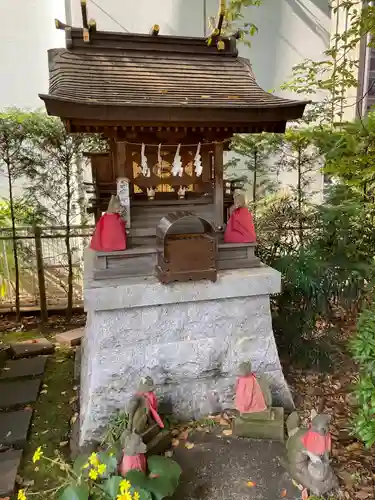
(204,18)
(68,12)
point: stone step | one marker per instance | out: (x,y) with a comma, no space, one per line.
(29,367)
(14,427)
(9,463)
(31,348)
(18,393)
(71,338)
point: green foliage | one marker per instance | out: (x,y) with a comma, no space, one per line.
(363,349)
(163,479)
(234,20)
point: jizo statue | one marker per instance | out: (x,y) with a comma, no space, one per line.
(308,454)
(143,407)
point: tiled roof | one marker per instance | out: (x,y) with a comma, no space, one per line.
(117,72)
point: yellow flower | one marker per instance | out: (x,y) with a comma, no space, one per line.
(124,486)
(136,496)
(93,474)
(21,495)
(125,496)
(101,469)
(93,459)
(37,455)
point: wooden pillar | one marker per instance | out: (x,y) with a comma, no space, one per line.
(219,186)
(120,158)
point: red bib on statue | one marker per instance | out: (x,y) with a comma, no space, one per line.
(316,443)
(240,227)
(138,462)
(109,234)
(249,395)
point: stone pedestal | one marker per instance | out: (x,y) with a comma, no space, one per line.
(189,337)
(264,425)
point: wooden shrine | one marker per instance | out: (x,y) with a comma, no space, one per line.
(161,101)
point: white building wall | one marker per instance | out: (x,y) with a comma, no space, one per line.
(27,32)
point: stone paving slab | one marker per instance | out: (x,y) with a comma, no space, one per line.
(9,463)
(220,468)
(14,427)
(71,338)
(29,367)
(17,393)
(31,348)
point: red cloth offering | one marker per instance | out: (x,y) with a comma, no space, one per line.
(138,462)
(316,443)
(240,227)
(109,234)
(249,395)
(153,407)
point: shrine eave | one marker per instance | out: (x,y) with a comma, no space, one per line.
(263,118)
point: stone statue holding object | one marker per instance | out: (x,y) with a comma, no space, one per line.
(143,407)
(240,226)
(253,400)
(308,452)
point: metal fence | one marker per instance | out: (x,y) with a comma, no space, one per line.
(42,251)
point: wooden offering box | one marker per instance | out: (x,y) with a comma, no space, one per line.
(186,248)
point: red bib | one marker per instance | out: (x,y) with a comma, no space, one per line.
(152,403)
(109,235)
(316,443)
(249,395)
(240,227)
(138,462)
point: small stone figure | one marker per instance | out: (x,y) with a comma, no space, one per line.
(133,453)
(253,400)
(253,394)
(240,227)
(151,193)
(181,193)
(143,408)
(308,454)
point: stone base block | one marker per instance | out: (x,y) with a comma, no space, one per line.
(260,415)
(257,429)
(189,337)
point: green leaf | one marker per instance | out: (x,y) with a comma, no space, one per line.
(110,462)
(75,492)
(79,463)
(164,467)
(160,487)
(112,486)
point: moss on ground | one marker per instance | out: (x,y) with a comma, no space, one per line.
(51,418)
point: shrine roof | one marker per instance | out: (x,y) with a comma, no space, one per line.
(144,79)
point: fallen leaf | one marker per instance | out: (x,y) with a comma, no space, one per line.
(169,453)
(189,445)
(284,493)
(73,400)
(184,435)
(63,443)
(250,484)
(45,432)
(223,421)
(175,442)
(75,387)
(74,418)
(362,495)
(44,391)
(227,432)
(63,393)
